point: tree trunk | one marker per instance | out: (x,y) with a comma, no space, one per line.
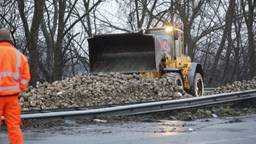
(225,77)
(227,29)
(32,36)
(58,55)
(249,19)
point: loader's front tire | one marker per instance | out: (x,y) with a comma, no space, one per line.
(198,85)
(176,77)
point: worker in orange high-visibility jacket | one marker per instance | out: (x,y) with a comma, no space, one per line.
(14,78)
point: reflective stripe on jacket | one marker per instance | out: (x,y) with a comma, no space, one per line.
(14,70)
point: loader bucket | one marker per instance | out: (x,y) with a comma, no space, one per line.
(124,53)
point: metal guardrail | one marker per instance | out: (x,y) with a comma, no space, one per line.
(143,108)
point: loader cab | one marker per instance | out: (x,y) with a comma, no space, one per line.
(169,39)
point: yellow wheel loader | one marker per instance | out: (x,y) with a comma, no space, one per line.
(157,52)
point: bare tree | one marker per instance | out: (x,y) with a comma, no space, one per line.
(249,20)
(60,36)
(228,28)
(32,33)
(9,18)
(219,34)
(188,12)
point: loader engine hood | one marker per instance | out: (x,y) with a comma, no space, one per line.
(124,53)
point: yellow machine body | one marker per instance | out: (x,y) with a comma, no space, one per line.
(182,63)
(179,62)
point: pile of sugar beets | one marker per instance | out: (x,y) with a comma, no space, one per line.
(108,89)
(236,86)
(98,90)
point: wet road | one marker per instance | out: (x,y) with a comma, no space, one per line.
(240,130)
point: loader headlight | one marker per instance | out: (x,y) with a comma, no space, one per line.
(168,29)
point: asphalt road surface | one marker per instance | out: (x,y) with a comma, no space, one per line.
(239,130)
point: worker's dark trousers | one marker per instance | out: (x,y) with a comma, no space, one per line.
(11,110)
